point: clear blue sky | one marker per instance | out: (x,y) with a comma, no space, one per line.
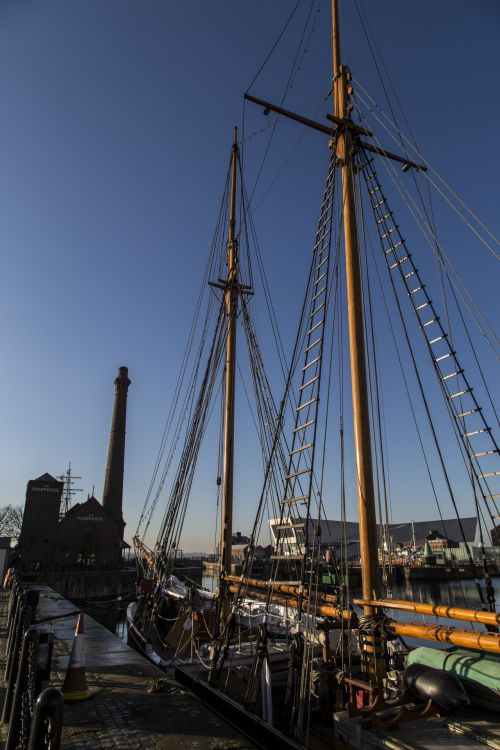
(116,120)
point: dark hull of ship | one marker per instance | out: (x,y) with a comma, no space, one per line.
(190,675)
(140,643)
(260,732)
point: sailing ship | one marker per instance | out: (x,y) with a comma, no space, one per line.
(295,658)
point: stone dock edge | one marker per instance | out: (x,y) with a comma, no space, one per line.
(135,705)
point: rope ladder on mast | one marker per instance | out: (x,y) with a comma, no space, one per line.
(467,415)
(292,531)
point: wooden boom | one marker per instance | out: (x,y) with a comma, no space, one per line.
(286,595)
(454,613)
(320,609)
(464,638)
(283,588)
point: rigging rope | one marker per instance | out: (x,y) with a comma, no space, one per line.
(365,164)
(375,398)
(288,85)
(147,512)
(430,169)
(433,242)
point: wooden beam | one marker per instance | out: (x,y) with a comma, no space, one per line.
(454,613)
(373,663)
(320,609)
(310,123)
(340,122)
(231,302)
(283,588)
(291,115)
(464,638)
(389,155)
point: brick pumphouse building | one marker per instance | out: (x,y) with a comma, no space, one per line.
(90,534)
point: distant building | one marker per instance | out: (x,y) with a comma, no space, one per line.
(40,521)
(495,537)
(241,546)
(90,534)
(238,539)
(89,537)
(4,554)
(449,528)
(344,537)
(439,542)
(240,552)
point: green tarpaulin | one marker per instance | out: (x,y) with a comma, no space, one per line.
(466,664)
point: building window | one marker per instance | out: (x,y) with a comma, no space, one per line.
(86,559)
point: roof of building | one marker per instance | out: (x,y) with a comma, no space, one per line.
(401,533)
(239,538)
(243,547)
(46,478)
(91,503)
(448,527)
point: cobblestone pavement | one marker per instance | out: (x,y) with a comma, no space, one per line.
(122,713)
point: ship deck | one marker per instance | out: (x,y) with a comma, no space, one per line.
(472,729)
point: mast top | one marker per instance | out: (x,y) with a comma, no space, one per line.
(335,38)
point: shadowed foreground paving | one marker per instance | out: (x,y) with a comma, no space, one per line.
(123,714)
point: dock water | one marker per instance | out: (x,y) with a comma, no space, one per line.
(136,706)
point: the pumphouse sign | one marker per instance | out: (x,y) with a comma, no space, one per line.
(90,517)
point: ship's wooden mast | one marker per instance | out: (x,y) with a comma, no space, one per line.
(346,138)
(361,414)
(231,301)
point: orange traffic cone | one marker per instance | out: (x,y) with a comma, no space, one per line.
(75,683)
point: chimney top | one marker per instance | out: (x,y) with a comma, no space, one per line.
(123,372)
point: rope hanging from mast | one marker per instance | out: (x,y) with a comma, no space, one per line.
(399,259)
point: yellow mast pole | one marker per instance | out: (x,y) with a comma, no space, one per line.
(231,300)
(374,662)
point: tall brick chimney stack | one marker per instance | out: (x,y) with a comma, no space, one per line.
(113,483)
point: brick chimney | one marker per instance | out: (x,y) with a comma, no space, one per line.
(112,497)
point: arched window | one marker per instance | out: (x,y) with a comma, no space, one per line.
(86,556)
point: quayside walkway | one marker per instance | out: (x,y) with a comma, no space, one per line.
(131,709)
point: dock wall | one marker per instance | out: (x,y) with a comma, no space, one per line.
(134,705)
(88,584)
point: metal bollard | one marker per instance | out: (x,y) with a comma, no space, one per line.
(19,625)
(16,607)
(44,667)
(19,592)
(24,695)
(12,603)
(32,598)
(46,725)
(23,622)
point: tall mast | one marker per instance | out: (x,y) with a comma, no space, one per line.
(231,300)
(361,414)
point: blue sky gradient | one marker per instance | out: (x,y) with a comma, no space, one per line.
(115,129)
